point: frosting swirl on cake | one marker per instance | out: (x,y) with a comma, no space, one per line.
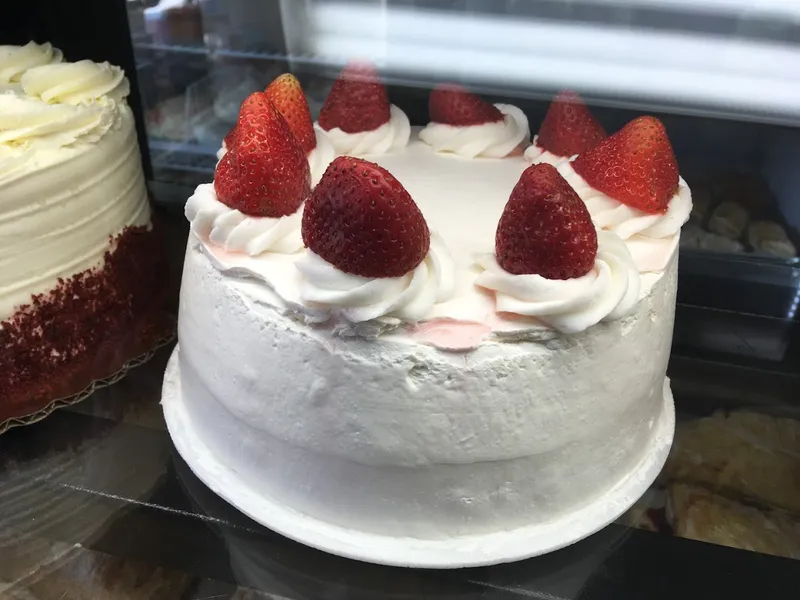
(608,292)
(393,135)
(358,299)
(488,140)
(650,237)
(27,121)
(234,231)
(15,60)
(76,83)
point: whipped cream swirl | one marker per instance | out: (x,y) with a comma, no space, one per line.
(76,83)
(15,60)
(537,155)
(393,135)
(27,122)
(608,292)
(624,220)
(489,140)
(235,231)
(358,299)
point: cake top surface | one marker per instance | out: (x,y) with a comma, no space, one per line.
(461,178)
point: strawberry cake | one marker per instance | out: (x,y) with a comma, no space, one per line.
(80,272)
(443,346)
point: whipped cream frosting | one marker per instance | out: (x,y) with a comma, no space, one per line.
(442,186)
(536,155)
(235,231)
(321,156)
(76,83)
(651,238)
(358,299)
(15,60)
(27,122)
(608,292)
(489,140)
(70,175)
(389,137)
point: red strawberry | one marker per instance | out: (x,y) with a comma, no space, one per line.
(265,173)
(361,219)
(635,166)
(569,128)
(252,104)
(545,228)
(287,95)
(358,101)
(454,105)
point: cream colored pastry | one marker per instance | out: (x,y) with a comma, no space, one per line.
(70,171)
(729,219)
(770,238)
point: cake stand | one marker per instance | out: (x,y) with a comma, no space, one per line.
(464,551)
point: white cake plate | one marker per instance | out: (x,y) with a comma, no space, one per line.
(464,551)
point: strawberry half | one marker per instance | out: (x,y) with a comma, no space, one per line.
(453,105)
(265,173)
(569,128)
(358,101)
(635,166)
(287,95)
(361,220)
(545,228)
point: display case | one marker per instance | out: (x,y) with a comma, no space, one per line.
(99,488)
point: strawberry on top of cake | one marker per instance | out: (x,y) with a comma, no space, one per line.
(631,186)
(464,124)
(550,263)
(568,129)
(357,115)
(370,252)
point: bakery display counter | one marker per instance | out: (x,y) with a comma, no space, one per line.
(97,503)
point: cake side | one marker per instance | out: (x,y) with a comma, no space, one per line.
(81,267)
(447,444)
(61,204)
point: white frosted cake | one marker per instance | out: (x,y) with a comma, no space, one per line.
(441,342)
(78,263)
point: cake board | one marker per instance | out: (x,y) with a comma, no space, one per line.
(464,551)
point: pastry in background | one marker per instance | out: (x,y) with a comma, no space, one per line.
(698,514)
(691,234)
(743,453)
(770,238)
(729,219)
(719,243)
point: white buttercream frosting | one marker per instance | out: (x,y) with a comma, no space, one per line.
(358,299)
(26,121)
(390,136)
(488,140)
(15,60)
(537,155)
(70,174)
(321,156)
(608,292)
(651,238)
(235,231)
(76,83)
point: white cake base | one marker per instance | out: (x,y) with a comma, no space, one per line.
(462,551)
